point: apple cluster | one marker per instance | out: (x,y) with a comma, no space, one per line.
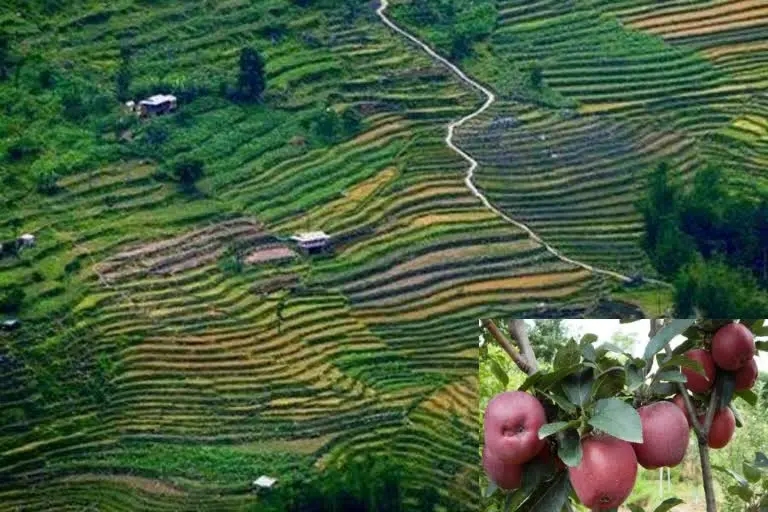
(606,475)
(732,350)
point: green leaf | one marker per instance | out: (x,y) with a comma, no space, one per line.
(727,384)
(748,396)
(740,479)
(500,374)
(553,498)
(693,333)
(757,327)
(610,347)
(588,352)
(685,346)
(671,376)
(752,473)
(545,380)
(610,383)
(634,377)
(736,416)
(578,387)
(682,361)
(664,335)
(567,355)
(569,447)
(558,397)
(663,388)
(534,473)
(762,345)
(618,419)
(552,428)
(742,492)
(761,461)
(588,338)
(633,507)
(491,489)
(668,504)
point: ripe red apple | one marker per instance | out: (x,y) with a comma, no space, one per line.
(512,422)
(722,429)
(747,376)
(606,475)
(697,382)
(505,475)
(733,345)
(665,435)
(680,402)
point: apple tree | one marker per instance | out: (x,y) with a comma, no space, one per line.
(575,431)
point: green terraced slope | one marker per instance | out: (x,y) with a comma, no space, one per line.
(624,85)
(150,373)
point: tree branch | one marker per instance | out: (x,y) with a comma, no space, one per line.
(706,465)
(520,334)
(702,435)
(504,342)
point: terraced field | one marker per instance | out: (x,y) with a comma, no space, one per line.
(624,86)
(150,374)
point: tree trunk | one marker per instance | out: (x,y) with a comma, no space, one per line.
(706,475)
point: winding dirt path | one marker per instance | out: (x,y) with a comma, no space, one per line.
(490,99)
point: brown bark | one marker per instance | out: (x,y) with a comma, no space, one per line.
(519,359)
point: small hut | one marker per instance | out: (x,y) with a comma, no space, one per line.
(10,325)
(264,482)
(157,105)
(312,242)
(26,240)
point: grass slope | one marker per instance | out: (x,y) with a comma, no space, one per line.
(148,374)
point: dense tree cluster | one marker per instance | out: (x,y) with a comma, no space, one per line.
(366,484)
(712,243)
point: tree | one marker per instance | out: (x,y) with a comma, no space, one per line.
(707,240)
(546,336)
(592,394)
(11,299)
(537,76)
(251,82)
(47,182)
(715,289)
(6,59)
(188,171)
(124,75)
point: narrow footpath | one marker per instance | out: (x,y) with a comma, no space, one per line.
(490,99)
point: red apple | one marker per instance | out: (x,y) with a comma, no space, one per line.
(722,429)
(665,435)
(505,475)
(733,345)
(697,382)
(512,422)
(746,376)
(606,475)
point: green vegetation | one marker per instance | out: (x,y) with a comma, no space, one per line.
(592,96)
(143,325)
(710,241)
(251,81)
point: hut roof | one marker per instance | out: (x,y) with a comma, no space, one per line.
(158,99)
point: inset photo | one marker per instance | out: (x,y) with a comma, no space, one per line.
(628,416)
